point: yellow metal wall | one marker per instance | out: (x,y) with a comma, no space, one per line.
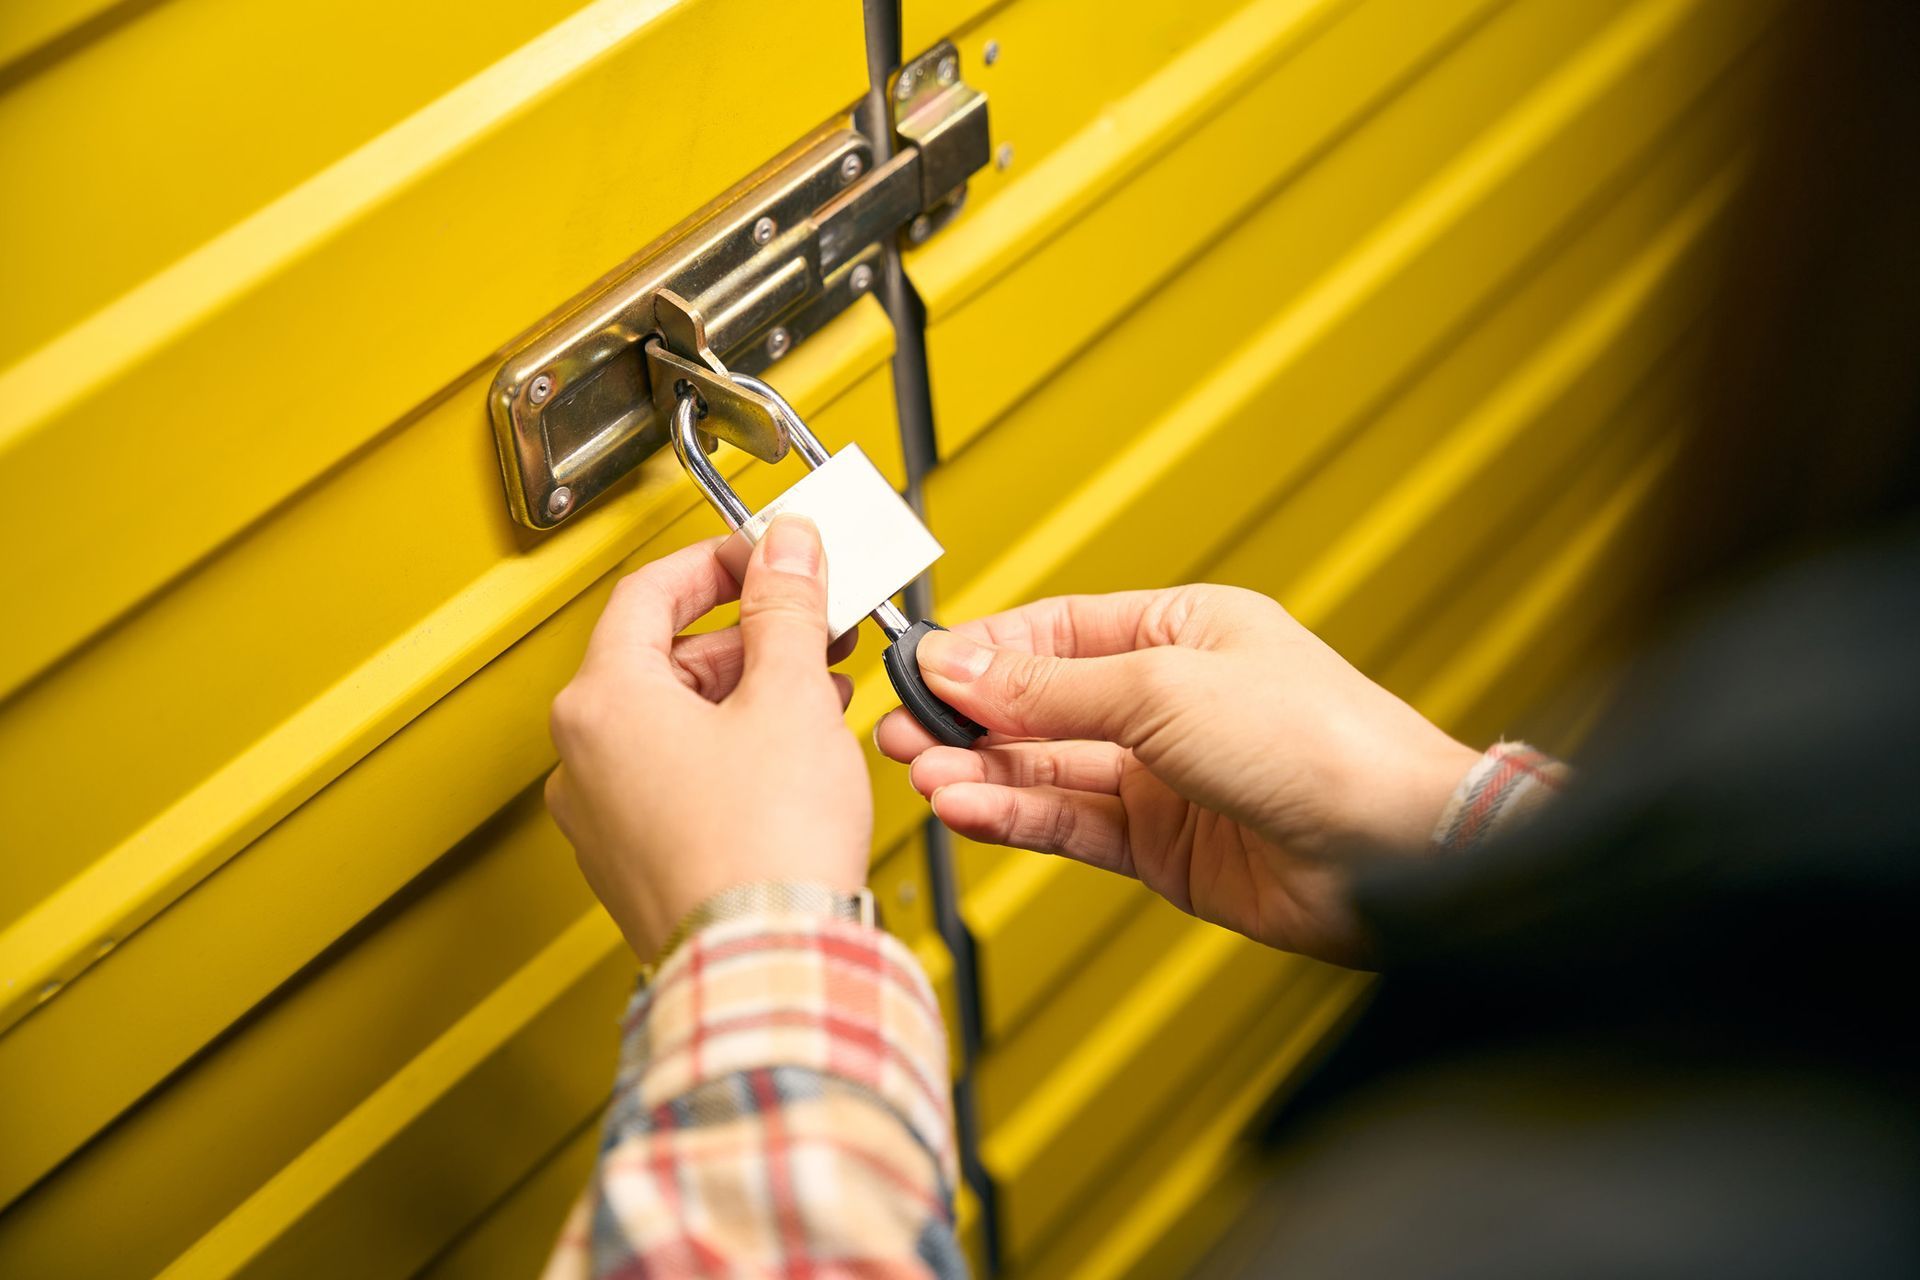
(1381,306)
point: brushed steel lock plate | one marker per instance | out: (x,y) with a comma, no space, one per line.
(766,265)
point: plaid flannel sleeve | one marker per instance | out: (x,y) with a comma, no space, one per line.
(781,1108)
(1510,783)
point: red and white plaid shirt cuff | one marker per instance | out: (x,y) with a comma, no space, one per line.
(782,1109)
(1509,784)
(844,999)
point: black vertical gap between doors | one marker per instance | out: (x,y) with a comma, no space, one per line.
(913,402)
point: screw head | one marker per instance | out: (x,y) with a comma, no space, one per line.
(763,230)
(559,502)
(851,166)
(539,389)
(949,69)
(903,89)
(908,892)
(1003,158)
(920,228)
(991,54)
(862,278)
(778,341)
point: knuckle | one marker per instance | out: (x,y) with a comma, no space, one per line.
(700,667)
(634,590)
(573,715)
(1222,613)
(556,798)
(1164,617)
(1005,824)
(1244,602)
(563,716)
(1023,677)
(1060,826)
(692,670)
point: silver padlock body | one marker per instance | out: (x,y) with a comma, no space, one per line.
(874,543)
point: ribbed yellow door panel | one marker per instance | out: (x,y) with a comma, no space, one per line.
(1385,309)
(511,1239)
(297,975)
(209,111)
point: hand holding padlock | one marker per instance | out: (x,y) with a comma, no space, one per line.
(874,544)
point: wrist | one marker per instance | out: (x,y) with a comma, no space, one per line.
(1395,805)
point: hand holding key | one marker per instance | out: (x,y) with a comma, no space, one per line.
(1197,738)
(692,764)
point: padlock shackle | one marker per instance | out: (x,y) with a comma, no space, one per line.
(686,444)
(811,450)
(886,614)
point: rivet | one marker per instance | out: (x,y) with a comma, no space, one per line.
(991,54)
(1003,158)
(778,341)
(47,992)
(907,893)
(106,945)
(559,502)
(541,388)
(763,230)
(862,278)
(904,88)
(920,228)
(949,69)
(851,166)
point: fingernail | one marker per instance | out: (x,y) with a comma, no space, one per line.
(792,546)
(953,656)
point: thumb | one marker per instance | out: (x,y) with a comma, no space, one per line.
(1118,698)
(783,608)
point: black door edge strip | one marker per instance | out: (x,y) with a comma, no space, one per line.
(913,404)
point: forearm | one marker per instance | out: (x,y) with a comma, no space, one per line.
(782,1099)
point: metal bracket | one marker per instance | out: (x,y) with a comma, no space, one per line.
(578,403)
(745,421)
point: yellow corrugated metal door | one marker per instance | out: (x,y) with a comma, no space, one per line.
(1382,307)
(298,976)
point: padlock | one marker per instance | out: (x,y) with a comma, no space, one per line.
(873,541)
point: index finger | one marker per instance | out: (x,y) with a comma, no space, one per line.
(1083,626)
(653,604)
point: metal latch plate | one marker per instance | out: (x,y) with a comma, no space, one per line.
(573,407)
(763,267)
